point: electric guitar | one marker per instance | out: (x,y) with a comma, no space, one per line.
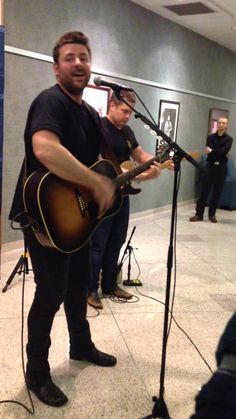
(129,165)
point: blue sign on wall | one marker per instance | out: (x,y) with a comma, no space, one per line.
(2,33)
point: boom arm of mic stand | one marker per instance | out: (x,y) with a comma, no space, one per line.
(181,153)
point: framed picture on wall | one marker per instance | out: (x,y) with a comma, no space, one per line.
(214,115)
(98,97)
(168,119)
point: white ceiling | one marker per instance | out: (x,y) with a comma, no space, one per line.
(215,26)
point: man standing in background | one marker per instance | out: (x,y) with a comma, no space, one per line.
(215,172)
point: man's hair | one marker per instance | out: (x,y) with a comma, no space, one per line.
(74,37)
(223,117)
(128,97)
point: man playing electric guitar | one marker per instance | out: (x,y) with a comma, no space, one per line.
(110,235)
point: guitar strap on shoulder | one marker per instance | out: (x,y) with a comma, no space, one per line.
(106,150)
(109,154)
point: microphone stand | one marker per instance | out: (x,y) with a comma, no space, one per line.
(173,145)
(129,249)
(160,409)
(22,266)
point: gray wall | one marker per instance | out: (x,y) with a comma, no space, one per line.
(142,50)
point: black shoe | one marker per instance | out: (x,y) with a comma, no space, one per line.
(213,219)
(96,357)
(47,392)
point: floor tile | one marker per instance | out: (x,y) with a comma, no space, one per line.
(202,297)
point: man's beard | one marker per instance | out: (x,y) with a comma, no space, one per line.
(75,90)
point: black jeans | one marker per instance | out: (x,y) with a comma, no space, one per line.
(213,178)
(227,342)
(216,399)
(59,277)
(107,241)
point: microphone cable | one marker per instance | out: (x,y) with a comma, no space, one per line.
(32,409)
(171,310)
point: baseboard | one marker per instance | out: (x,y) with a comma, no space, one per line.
(164,208)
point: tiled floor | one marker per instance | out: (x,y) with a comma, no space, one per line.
(205,296)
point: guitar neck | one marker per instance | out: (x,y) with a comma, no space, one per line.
(163,157)
(131,174)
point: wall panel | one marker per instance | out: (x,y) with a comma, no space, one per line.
(160,59)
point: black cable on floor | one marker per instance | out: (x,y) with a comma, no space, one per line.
(32,410)
(171,310)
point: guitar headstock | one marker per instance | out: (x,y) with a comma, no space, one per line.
(195,154)
(168,163)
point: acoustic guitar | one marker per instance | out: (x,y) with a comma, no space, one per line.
(63,215)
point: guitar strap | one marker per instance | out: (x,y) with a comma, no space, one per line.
(106,150)
(109,154)
(17,211)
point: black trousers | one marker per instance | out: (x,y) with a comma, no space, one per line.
(213,178)
(107,241)
(216,398)
(59,278)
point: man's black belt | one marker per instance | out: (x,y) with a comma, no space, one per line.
(217,163)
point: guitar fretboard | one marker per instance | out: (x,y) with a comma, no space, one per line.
(126,177)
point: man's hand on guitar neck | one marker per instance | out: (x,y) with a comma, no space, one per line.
(151,173)
(168,164)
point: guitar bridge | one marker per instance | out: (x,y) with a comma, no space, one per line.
(81,204)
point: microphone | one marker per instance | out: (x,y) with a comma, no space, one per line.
(98,81)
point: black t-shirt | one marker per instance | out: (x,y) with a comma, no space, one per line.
(122,141)
(220,145)
(77,126)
